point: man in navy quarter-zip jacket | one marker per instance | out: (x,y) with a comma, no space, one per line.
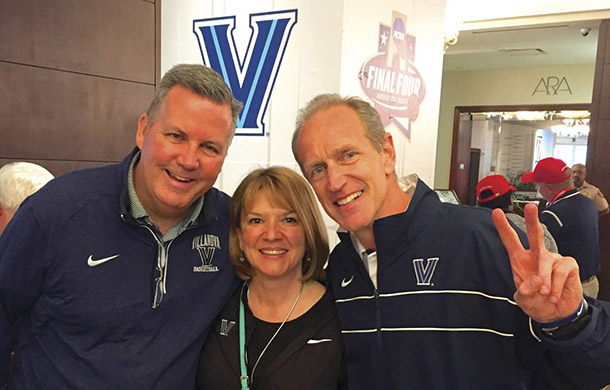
(117,272)
(571,218)
(432,295)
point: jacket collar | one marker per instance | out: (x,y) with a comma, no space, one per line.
(393,232)
(564,194)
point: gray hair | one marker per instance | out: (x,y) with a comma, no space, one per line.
(18,180)
(200,80)
(373,128)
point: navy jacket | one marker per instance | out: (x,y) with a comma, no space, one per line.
(443,316)
(91,325)
(573,221)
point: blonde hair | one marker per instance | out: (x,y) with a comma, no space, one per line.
(283,187)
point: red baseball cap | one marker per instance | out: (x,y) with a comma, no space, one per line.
(549,170)
(497,184)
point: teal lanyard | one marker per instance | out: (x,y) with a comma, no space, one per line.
(242,342)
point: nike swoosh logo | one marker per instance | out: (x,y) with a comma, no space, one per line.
(93,263)
(345,283)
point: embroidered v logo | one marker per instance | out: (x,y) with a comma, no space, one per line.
(424,273)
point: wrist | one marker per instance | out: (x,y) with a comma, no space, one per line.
(565,320)
(569,326)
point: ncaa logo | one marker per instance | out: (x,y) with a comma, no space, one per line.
(399,31)
(252,78)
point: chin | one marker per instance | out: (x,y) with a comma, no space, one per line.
(353,226)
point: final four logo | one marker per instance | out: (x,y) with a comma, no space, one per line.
(252,78)
(390,77)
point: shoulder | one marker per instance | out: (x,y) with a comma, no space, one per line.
(590,186)
(76,189)
(82,183)
(231,308)
(95,191)
(219,199)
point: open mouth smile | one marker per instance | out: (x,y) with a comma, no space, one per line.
(273,252)
(348,199)
(179,178)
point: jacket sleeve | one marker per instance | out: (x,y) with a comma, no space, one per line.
(22,256)
(585,359)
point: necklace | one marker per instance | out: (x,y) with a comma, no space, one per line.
(245,353)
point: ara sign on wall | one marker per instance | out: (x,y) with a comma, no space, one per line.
(390,78)
(252,78)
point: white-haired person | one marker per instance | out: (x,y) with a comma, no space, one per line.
(18,180)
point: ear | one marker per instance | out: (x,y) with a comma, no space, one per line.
(389,154)
(142,127)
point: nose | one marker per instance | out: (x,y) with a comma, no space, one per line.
(272,231)
(188,157)
(336,178)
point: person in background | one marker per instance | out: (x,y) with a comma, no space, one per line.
(571,218)
(291,334)
(18,180)
(494,192)
(120,270)
(432,295)
(579,174)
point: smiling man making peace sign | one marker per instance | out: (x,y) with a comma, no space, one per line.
(426,295)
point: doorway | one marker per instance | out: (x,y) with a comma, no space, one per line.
(511,140)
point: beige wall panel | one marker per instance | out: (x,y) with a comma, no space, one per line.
(57,115)
(100,37)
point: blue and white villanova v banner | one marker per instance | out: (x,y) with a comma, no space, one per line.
(252,79)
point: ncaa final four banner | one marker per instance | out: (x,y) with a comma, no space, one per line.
(390,78)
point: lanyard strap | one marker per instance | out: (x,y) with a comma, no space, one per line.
(242,342)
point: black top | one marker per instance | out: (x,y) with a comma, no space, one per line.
(262,332)
(306,354)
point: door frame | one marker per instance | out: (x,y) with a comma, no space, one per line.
(460,149)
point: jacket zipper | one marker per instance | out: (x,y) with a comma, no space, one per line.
(378,318)
(162,250)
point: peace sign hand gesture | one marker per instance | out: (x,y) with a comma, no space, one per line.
(548,284)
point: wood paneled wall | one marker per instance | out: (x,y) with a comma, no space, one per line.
(598,158)
(76,75)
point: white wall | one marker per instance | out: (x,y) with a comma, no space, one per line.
(483,139)
(327,47)
(424,20)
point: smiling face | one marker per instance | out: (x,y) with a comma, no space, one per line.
(182,153)
(272,239)
(349,176)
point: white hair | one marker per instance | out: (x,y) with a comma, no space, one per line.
(18,180)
